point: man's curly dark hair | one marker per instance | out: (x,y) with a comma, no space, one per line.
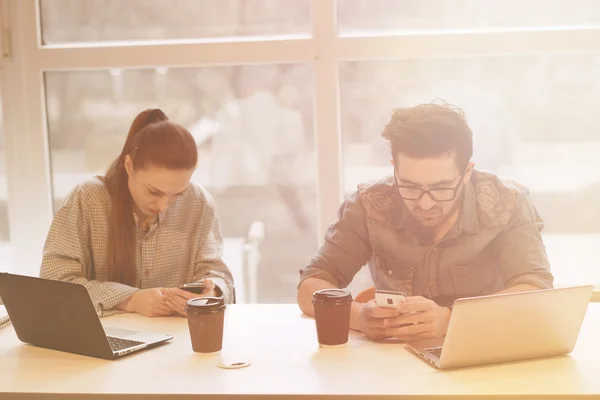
(430,130)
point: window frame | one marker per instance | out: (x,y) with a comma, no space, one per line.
(25,127)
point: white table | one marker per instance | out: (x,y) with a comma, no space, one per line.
(285,361)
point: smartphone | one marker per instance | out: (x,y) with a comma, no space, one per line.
(389,298)
(196,287)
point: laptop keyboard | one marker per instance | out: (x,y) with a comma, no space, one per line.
(118,344)
(436,351)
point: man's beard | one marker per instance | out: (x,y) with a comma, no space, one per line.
(426,231)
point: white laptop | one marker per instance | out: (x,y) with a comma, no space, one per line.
(508,327)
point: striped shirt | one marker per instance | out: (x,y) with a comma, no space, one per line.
(182,245)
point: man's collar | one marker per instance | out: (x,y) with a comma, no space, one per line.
(467,219)
(399,217)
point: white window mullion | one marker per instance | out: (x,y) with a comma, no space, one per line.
(28,172)
(468,44)
(327,112)
(177,53)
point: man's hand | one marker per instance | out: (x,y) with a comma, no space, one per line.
(372,320)
(420,318)
(148,302)
(176,299)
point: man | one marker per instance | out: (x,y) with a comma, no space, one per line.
(437,230)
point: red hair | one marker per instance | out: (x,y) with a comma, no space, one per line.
(152,140)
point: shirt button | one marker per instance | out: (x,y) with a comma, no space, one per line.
(389,271)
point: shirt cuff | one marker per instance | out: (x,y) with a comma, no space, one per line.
(319,273)
(530,279)
(107,307)
(227,292)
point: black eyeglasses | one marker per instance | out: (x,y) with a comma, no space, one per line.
(436,194)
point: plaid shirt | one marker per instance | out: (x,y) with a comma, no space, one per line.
(182,245)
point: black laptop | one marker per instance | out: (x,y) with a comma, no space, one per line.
(60,316)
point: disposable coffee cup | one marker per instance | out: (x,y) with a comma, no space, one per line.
(206,317)
(332,316)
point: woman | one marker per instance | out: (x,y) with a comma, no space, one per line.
(135,235)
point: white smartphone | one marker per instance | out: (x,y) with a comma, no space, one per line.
(389,298)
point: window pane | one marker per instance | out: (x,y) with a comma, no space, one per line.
(533,119)
(253,127)
(6,263)
(74,21)
(389,16)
